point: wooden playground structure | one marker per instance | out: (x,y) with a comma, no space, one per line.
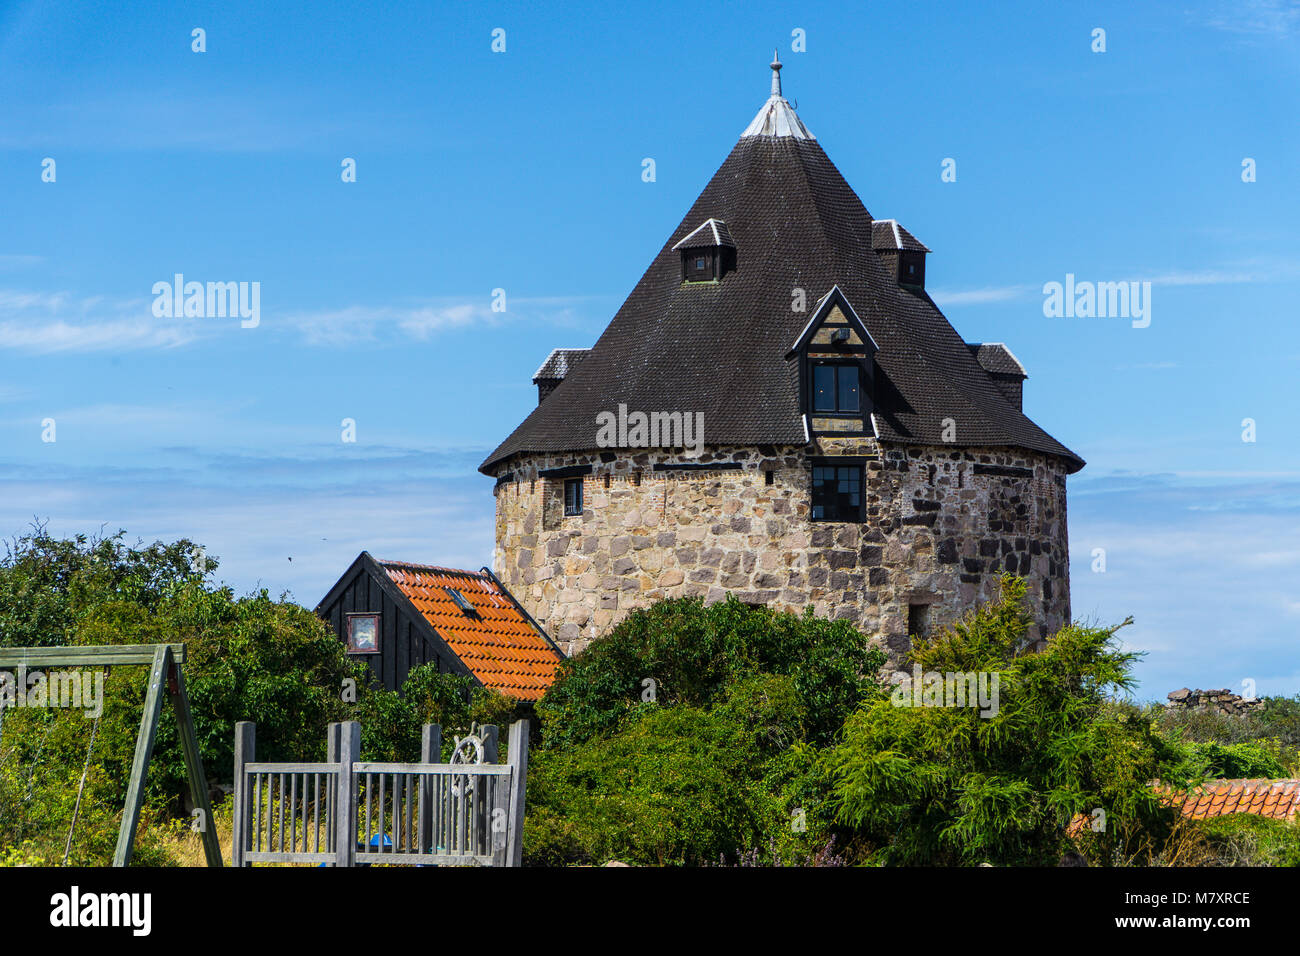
(166,676)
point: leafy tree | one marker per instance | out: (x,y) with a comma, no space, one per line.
(690,653)
(674,787)
(944,785)
(247,658)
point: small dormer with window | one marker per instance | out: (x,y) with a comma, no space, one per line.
(836,357)
(901,252)
(708,252)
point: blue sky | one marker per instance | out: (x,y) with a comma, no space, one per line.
(479,170)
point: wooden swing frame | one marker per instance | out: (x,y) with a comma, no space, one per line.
(165,662)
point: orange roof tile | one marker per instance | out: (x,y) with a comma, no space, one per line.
(1276,799)
(497,642)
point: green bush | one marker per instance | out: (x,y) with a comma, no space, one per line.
(1246,839)
(944,785)
(721,762)
(1234,761)
(673,788)
(694,653)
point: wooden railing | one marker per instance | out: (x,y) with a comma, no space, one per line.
(305,794)
(346,811)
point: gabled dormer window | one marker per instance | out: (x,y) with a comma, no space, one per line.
(708,252)
(836,357)
(837,387)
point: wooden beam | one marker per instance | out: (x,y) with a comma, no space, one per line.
(193,762)
(98,655)
(162,657)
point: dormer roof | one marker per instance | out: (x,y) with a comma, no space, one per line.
(711,232)
(887,234)
(559,364)
(996,358)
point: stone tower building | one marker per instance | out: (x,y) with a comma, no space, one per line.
(780,411)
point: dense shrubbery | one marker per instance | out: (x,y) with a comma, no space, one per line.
(693,654)
(689,735)
(248,658)
(935,785)
(721,760)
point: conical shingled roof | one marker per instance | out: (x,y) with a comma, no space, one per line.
(720,348)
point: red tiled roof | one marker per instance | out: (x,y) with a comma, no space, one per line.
(1275,799)
(497,642)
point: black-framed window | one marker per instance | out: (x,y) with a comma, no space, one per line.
(837,493)
(836,387)
(572,496)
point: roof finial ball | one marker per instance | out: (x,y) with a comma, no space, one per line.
(776,74)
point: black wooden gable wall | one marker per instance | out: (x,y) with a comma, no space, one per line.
(403,644)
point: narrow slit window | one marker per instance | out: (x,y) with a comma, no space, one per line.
(572,497)
(918,620)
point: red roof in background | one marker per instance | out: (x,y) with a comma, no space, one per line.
(1277,799)
(497,642)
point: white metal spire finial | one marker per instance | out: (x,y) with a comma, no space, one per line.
(777,117)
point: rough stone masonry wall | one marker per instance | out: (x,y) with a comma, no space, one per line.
(940,525)
(1224,701)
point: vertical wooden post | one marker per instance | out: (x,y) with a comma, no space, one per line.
(245,753)
(430,752)
(491,737)
(485,792)
(162,658)
(332,736)
(517,759)
(345,801)
(193,762)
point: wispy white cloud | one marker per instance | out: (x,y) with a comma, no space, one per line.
(53,322)
(19,262)
(1274,18)
(45,322)
(1272,273)
(1240,274)
(421,321)
(1006,293)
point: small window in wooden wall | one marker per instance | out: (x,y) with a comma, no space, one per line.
(697,265)
(363,633)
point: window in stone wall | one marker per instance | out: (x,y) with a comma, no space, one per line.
(572,497)
(918,619)
(837,493)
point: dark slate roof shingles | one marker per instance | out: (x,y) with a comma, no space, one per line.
(719,348)
(560,363)
(889,234)
(996,358)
